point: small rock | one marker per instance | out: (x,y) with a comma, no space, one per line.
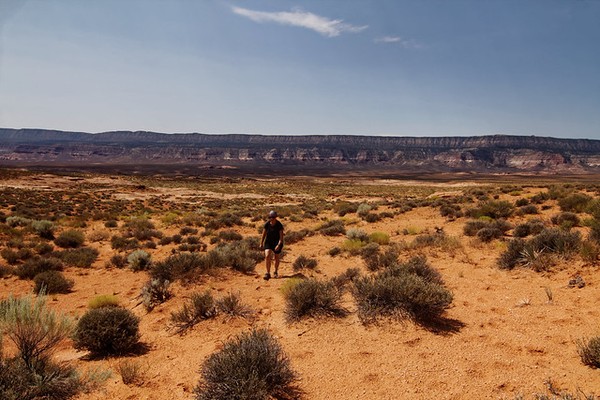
(577,281)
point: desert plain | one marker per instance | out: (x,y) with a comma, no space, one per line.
(508,333)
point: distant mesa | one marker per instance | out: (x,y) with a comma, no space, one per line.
(296,154)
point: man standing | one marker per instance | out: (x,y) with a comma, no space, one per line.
(272,243)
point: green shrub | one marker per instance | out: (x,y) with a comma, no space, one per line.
(104,300)
(251,366)
(83,257)
(188,230)
(344,207)
(589,351)
(363,209)
(340,281)
(311,298)
(37,265)
(122,243)
(141,229)
(70,239)
(155,292)
(303,262)
(178,265)
(200,307)
(353,246)
(107,331)
(16,221)
(11,256)
(52,282)
(589,251)
(372,217)
(381,238)
(417,265)
(529,209)
(111,223)
(139,260)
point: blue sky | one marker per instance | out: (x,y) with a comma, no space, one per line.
(398,67)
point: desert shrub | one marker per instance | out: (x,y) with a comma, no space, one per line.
(540,198)
(439,240)
(98,236)
(532,227)
(493,209)
(353,246)
(32,327)
(357,234)
(363,209)
(104,300)
(296,236)
(451,211)
(589,251)
(542,246)
(340,281)
(165,240)
(303,262)
(344,207)
(178,265)
(5,271)
(589,351)
(399,296)
(372,217)
(188,230)
(333,228)
(16,221)
(155,292)
(43,248)
(334,251)
(231,304)
(566,220)
(9,255)
(576,202)
(70,239)
(251,366)
(521,202)
(488,234)
(83,257)
(141,229)
(224,220)
(111,223)
(230,235)
(131,372)
(107,331)
(368,249)
(529,209)
(195,240)
(379,260)
(43,228)
(200,307)
(37,265)
(118,261)
(52,282)
(121,243)
(417,265)
(556,241)
(381,238)
(139,260)
(311,298)
(241,255)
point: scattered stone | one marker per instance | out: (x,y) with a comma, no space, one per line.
(577,281)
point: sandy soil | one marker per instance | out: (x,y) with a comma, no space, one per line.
(505,336)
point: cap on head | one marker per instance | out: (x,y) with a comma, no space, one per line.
(272,214)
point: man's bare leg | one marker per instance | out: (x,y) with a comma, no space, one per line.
(268,257)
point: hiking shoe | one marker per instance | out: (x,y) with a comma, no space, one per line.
(267,276)
(276,275)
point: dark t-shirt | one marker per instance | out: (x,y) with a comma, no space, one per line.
(272,234)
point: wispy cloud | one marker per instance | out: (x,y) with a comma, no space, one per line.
(406,43)
(323,25)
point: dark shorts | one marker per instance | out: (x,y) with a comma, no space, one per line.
(272,246)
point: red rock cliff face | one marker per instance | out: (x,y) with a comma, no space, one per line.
(498,152)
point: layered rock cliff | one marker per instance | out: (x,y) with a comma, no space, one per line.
(479,153)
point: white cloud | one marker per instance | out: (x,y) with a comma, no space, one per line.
(324,26)
(406,43)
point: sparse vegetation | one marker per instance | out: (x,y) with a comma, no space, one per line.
(200,307)
(312,298)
